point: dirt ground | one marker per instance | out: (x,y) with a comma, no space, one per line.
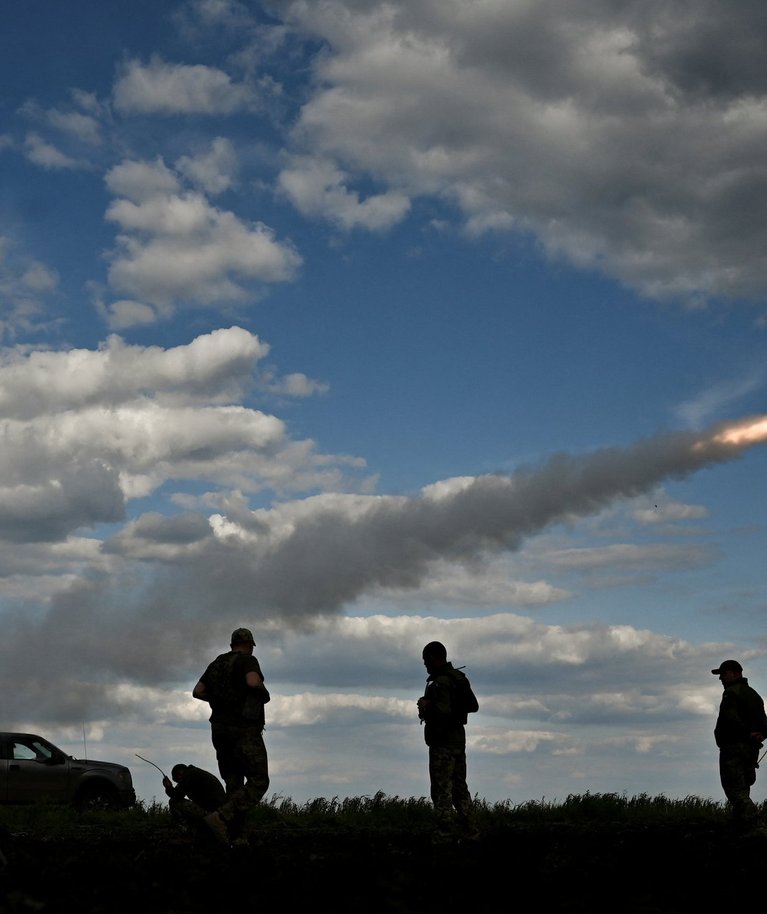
(556,868)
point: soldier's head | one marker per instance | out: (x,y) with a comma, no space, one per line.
(434,656)
(242,641)
(728,672)
(178,771)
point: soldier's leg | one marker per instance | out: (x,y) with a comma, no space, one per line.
(461,797)
(228,765)
(735,776)
(441,764)
(185,812)
(252,760)
(255,766)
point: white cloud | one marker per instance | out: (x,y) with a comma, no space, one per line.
(488,583)
(83,126)
(85,431)
(140,181)
(128,313)
(667,510)
(25,283)
(165,88)
(41,383)
(625,138)
(214,171)
(175,248)
(297,384)
(47,156)
(318,188)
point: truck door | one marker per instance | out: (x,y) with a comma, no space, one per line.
(37,771)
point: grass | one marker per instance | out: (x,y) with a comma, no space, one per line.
(382,811)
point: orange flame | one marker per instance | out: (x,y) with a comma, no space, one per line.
(741,434)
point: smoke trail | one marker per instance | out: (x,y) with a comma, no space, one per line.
(336,548)
(287,566)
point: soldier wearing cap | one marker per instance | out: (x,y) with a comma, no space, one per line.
(741,728)
(233,685)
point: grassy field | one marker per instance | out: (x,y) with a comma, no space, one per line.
(592,852)
(383,810)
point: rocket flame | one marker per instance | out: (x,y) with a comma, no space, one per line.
(741,434)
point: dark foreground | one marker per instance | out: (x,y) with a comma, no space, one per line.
(551,867)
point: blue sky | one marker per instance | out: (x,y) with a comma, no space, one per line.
(369,324)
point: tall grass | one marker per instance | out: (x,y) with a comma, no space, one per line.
(382,811)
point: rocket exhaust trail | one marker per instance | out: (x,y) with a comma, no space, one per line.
(567,486)
(392,541)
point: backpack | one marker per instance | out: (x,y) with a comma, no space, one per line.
(224,679)
(462,698)
(220,681)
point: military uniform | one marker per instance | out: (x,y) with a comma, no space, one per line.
(197,793)
(237,721)
(445,735)
(741,713)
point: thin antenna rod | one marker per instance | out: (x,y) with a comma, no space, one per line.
(85,745)
(152,764)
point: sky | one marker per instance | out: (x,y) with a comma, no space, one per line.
(368,324)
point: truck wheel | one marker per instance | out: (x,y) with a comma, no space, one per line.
(97,796)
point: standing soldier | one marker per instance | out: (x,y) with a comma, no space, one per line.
(233,685)
(443,709)
(741,728)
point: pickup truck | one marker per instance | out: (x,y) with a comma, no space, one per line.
(33,770)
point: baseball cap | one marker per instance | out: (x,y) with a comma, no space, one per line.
(728,665)
(242,636)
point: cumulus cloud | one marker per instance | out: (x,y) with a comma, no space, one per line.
(83,126)
(48,156)
(159,87)
(85,431)
(25,284)
(139,181)
(215,366)
(319,188)
(625,138)
(174,247)
(213,171)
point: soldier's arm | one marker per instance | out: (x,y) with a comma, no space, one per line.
(253,680)
(200,691)
(759,723)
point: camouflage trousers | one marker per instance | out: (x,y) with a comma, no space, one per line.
(737,772)
(449,792)
(243,766)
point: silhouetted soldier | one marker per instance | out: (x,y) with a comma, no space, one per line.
(741,728)
(443,709)
(233,684)
(197,793)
